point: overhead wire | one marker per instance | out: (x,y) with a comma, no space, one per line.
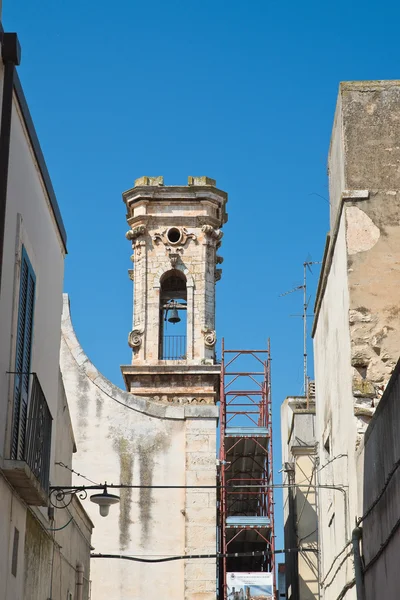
(197,556)
(61,464)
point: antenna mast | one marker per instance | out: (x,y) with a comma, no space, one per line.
(306,265)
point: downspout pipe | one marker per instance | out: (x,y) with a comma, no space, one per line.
(79,580)
(358,568)
(11,57)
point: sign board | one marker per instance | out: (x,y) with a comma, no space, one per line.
(250,586)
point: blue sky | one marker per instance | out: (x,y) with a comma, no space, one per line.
(243,92)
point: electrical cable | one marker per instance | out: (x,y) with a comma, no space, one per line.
(375,502)
(122,486)
(337,570)
(60,528)
(307,536)
(196,556)
(61,464)
(382,547)
(306,496)
(334,560)
(346,588)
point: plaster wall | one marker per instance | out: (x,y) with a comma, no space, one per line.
(29,221)
(123,438)
(300,501)
(48,550)
(12,516)
(357,325)
(51,557)
(378,459)
(335,423)
(336,168)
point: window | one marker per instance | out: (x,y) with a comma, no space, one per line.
(23,353)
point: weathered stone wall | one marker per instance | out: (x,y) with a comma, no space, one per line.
(357,324)
(123,438)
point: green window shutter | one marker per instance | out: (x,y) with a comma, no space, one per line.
(23,356)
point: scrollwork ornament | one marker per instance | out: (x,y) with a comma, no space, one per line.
(135,338)
(210,337)
(185,235)
(62,498)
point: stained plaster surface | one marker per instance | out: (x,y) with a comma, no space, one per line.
(357,324)
(122,438)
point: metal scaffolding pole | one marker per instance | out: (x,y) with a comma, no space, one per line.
(246,514)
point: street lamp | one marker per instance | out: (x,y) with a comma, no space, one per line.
(61,496)
(104,500)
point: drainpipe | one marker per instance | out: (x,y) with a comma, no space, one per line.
(358,568)
(79,580)
(11,56)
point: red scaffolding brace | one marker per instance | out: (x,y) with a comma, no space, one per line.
(246,504)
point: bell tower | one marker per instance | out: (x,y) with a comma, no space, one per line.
(175,233)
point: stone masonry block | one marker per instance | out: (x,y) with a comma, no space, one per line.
(159,180)
(201,181)
(199,536)
(192,586)
(199,477)
(200,571)
(200,460)
(212,499)
(197,442)
(200,425)
(196,500)
(199,516)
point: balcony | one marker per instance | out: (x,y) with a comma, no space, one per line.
(28,467)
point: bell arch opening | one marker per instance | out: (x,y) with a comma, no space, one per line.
(173,316)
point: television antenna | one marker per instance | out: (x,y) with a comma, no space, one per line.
(306,265)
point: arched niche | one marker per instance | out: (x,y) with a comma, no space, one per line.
(173,316)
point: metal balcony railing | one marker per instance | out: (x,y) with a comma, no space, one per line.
(38,434)
(31,439)
(173,347)
(27,468)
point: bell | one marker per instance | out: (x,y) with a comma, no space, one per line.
(174,318)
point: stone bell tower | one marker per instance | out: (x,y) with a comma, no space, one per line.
(175,234)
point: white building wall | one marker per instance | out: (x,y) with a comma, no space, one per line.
(30,222)
(126,439)
(336,427)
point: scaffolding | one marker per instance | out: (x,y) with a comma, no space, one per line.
(246,506)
